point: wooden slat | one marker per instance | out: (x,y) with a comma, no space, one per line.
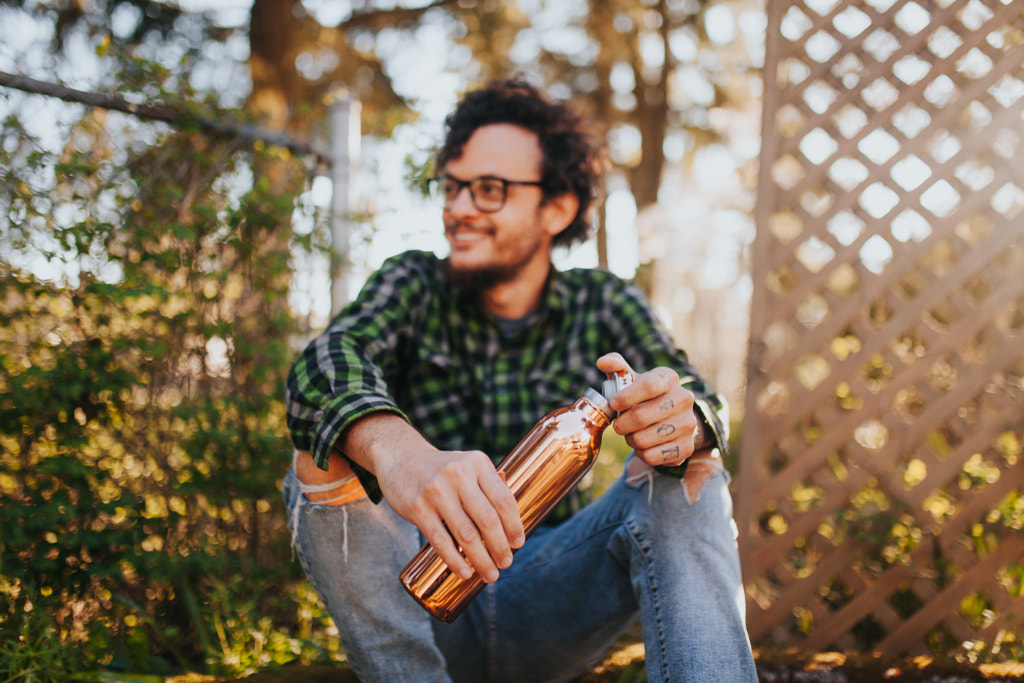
(912,93)
(937,412)
(969,266)
(973,203)
(963,312)
(981,572)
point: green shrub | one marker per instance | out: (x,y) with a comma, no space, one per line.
(142,432)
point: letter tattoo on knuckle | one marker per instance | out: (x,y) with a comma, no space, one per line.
(665,429)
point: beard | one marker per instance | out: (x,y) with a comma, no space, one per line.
(484,276)
(481,278)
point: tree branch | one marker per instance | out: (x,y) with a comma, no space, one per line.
(161,112)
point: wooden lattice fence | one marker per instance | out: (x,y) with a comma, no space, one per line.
(881,472)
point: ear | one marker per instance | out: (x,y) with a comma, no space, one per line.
(558,212)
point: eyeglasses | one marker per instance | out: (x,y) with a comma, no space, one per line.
(487,192)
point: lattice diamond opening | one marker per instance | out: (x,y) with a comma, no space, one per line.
(880,494)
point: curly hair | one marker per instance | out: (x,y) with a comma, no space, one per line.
(570,160)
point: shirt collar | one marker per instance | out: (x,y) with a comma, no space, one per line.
(556,291)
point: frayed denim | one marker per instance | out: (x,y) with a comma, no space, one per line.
(641,550)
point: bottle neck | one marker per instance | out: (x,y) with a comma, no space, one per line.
(598,405)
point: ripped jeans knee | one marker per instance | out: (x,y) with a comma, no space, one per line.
(702,466)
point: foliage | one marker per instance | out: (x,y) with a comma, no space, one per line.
(142,426)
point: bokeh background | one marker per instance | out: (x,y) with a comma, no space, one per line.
(819,196)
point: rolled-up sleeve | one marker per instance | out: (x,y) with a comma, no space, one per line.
(340,376)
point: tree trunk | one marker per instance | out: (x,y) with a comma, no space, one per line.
(652,120)
(600,23)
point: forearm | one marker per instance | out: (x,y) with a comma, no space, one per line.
(377,441)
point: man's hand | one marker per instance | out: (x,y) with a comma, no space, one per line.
(655,414)
(446,494)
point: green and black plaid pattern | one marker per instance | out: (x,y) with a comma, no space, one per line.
(414,345)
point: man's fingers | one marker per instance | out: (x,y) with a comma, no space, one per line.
(480,514)
(666,411)
(613,362)
(462,505)
(466,532)
(490,550)
(648,386)
(649,428)
(669,454)
(444,545)
(504,503)
(659,438)
(492,508)
(653,384)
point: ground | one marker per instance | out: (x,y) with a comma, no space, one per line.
(625,665)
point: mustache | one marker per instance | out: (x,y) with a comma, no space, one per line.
(456,225)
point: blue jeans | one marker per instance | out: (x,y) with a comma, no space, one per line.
(641,549)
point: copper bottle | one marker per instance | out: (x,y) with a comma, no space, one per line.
(540,471)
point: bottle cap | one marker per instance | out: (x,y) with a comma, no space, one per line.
(614,384)
(599,401)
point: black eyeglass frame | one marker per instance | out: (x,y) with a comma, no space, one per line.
(437,187)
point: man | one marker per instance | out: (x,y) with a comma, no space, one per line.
(401,408)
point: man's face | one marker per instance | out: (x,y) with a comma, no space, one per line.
(494,248)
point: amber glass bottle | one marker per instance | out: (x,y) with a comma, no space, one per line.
(540,471)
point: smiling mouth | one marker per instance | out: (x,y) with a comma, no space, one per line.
(466,236)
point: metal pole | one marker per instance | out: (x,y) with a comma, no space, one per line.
(344,117)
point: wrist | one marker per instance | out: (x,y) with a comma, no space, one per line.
(703,436)
(377,440)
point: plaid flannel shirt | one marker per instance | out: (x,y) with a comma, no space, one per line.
(414,345)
